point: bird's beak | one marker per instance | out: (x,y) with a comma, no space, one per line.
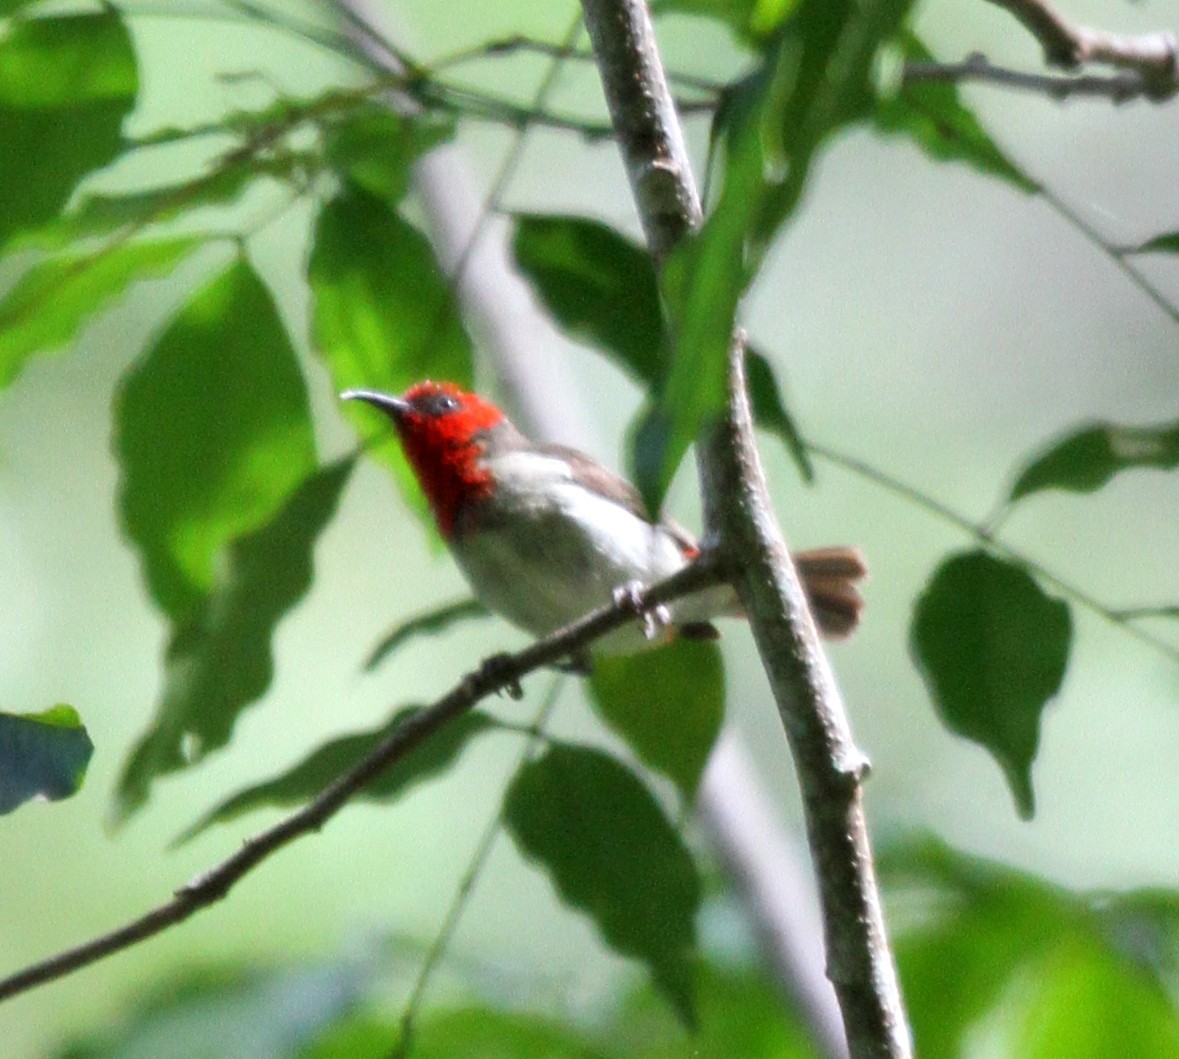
(395,407)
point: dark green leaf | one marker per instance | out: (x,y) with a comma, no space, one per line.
(611,853)
(1085,460)
(233,1015)
(769,411)
(667,704)
(306,779)
(374,147)
(433,621)
(219,657)
(42,755)
(993,648)
(213,433)
(934,117)
(51,301)
(66,84)
(1160,244)
(601,287)
(384,315)
(597,284)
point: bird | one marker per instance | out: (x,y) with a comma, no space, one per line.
(544,534)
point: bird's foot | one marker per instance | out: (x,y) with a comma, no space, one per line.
(653,619)
(499,670)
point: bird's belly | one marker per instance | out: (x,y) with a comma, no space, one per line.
(547,562)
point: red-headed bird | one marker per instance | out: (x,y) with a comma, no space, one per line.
(544,534)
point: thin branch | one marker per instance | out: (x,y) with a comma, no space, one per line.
(1118,88)
(496,674)
(1154,56)
(740,517)
(1122,618)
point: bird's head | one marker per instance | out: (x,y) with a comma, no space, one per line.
(443,430)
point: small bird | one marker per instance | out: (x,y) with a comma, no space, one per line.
(544,534)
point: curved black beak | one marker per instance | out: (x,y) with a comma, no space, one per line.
(393,406)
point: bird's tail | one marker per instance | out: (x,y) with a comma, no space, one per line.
(829,576)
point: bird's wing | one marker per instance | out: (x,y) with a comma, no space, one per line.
(591,474)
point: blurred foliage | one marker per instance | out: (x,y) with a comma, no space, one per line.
(223,495)
(984,951)
(42,755)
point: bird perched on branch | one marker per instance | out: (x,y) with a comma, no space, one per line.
(544,534)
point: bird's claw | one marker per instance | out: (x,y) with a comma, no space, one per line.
(653,619)
(499,670)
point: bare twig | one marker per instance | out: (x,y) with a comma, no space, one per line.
(1117,88)
(1153,56)
(740,518)
(499,673)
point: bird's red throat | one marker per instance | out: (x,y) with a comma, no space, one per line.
(446,455)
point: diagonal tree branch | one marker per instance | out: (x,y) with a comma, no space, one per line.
(496,674)
(1153,56)
(742,523)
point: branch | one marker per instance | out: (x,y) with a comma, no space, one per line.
(1118,88)
(1153,56)
(740,517)
(495,674)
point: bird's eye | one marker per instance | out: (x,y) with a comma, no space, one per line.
(440,404)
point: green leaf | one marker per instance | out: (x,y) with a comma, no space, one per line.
(1080,1002)
(597,284)
(384,315)
(213,433)
(427,624)
(374,148)
(1087,459)
(238,1014)
(992,647)
(610,852)
(667,704)
(219,657)
(303,781)
(42,755)
(933,116)
(66,84)
(769,411)
(1160,244)
(52,300)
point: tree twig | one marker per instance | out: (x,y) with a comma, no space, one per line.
(1118,88)
(1154,56)
(740,519)
(499,673)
